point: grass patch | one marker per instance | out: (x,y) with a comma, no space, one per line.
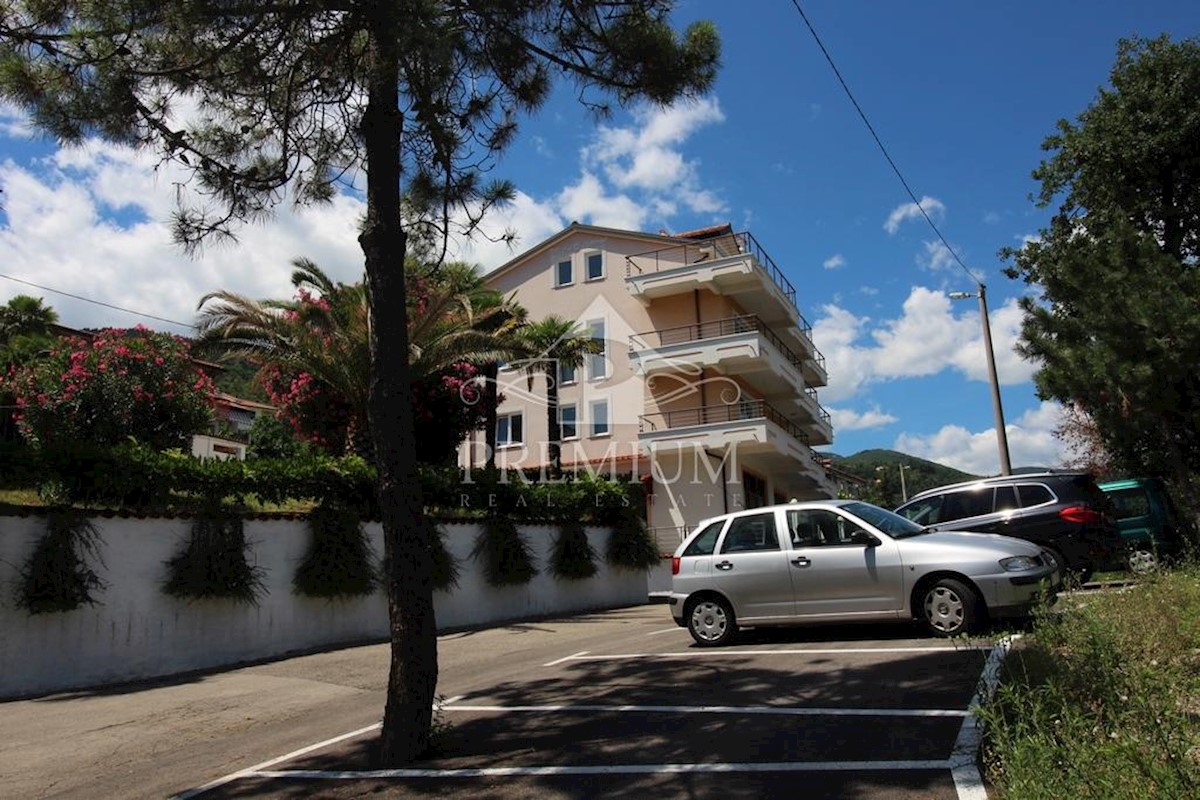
(1102,698)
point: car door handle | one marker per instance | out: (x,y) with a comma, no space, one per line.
(724,565)
(802,561)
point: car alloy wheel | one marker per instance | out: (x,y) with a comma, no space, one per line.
(1142,561)
(711,623)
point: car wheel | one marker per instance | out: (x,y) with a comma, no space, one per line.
(710,622)
(950,608)
(1142,561)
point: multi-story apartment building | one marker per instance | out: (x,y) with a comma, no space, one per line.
(706,386)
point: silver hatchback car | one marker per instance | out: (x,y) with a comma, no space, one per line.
(847,561)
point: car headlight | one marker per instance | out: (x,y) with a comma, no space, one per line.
(1018,563)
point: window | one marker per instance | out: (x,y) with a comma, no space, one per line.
(598,363)
(752,533)
(818,528)
(568,417)
(706,541)
(566,374)
(927,511)
(1034,495)
(968,503)
(595,266)
(599,415)
(1130,503)
(563,274)
(756,490)
(1006,498)
(510,430)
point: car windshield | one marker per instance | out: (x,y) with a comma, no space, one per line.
(892,524)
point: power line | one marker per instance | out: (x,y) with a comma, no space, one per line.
(98,302)
(878,141)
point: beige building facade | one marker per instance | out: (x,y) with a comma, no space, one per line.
(706,389)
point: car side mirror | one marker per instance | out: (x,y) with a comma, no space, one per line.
(859,536)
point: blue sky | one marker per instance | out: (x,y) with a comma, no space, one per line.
(962,95)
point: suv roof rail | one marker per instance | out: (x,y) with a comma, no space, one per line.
(997,479)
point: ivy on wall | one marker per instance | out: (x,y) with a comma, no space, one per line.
(503,553)
(57,576)
(214,563)
(573,557)
(339,561)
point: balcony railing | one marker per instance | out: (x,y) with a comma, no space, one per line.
(811,392)
(730,326)
(710,250)
(741,411)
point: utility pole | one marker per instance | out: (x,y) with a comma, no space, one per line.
(997,406)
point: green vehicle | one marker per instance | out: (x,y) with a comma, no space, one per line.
(1150,525)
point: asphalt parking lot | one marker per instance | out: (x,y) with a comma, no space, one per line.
(879,712)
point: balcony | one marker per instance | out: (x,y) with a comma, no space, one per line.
(733,265)
(744,346)
(752,427)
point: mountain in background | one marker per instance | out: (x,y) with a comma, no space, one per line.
(881,470)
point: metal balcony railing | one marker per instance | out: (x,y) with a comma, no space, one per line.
(711,249)
(811,392)
(741,411)
(730,326)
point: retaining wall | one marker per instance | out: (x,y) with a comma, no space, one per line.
(136,631)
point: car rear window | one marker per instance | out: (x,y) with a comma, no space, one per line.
(751,533)
(706,541)
(1034,494)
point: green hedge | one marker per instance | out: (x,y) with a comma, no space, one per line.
(135,478)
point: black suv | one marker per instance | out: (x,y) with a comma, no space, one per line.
(1064,512)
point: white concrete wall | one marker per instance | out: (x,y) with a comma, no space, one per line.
(136,631)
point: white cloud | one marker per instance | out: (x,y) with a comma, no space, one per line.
(835,261)
(14,123)
(92,221)
(906,211)
(924,340)
(869,291)
(937,256)
(845,419)
(1031,443)
(646,157)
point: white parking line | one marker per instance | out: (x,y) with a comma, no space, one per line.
(255,770)
(567,658)
(967,780)
(665,630)
(613,769)
(792,711)
(703,653)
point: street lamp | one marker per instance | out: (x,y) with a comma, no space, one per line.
(1001,434)
(903,486)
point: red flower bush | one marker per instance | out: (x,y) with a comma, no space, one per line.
(121,384)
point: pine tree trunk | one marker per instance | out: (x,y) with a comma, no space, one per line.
(408,538)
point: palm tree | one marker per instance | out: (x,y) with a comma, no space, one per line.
(549,345)
(25,325)
(452,317)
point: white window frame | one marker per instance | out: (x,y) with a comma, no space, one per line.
(562,423)
(510,442)
(558,281)
(602,356)
(608,424)
(587,265)
(562,381)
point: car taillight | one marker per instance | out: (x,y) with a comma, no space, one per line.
(1080,514)
(674,565)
